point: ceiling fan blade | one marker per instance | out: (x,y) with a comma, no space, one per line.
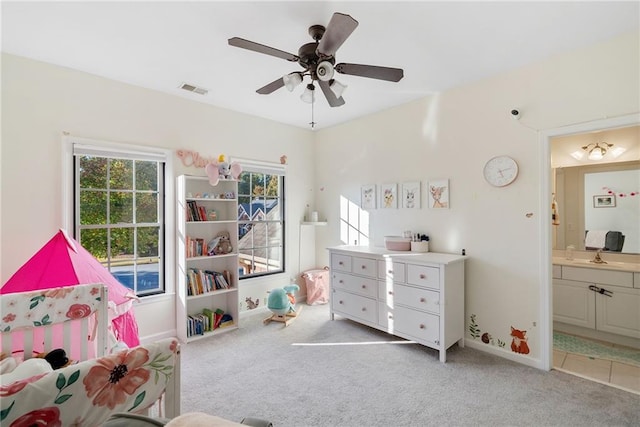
(271,87)
(260,48)
(339,29)
(328,93)
(371,71)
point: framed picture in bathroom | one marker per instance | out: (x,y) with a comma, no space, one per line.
(604,201)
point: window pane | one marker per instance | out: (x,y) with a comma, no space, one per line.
(148,277)
(93,172)
(146,207)
(122,245)
(272,208)
(148,238)
(275,259)
(121,174)
(121,205)
(274,234)
(95,241)
(93,207)
(247,238)
(146,175)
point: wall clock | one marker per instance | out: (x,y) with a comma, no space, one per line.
(500,171)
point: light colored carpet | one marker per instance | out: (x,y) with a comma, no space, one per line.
(590,348)
(318,372)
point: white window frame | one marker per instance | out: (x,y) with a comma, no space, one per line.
(71,144)
(258,166)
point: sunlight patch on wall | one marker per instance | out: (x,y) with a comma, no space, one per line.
(354,223)
(430,123)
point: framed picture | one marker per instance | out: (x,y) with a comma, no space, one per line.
(411,195)
(368,197)
(438,192)
(604,201)
(389,196)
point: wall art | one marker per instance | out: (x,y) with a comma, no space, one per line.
(438,192)
(389,196)
(411,195)
(604,201)
(368,197)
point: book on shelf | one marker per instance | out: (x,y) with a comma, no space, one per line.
(203,281)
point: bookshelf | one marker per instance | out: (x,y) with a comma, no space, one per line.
(207,273)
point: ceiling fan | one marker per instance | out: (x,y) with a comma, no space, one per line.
(317,60)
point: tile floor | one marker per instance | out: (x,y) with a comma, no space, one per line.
(616,374)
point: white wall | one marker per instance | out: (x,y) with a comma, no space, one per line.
(40,101)
(451,135)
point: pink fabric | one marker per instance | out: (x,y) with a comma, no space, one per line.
(62,261)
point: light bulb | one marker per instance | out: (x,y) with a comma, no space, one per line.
(291,81)
(308,94)
(337,88)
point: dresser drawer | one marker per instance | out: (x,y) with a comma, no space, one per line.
(392,271)
(422,326)
(341,262)
(360,285)
(355,306)
(421,275)
(363,266)
(419,298)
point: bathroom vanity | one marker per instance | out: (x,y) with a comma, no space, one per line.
(417,296)
(601,301)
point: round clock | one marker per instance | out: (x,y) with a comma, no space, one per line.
(500,171)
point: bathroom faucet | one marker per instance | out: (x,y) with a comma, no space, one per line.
(597,259)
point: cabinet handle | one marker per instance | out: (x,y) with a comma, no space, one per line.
(423,299)
(423,276)
(422,326)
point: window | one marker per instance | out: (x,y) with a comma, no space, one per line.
(119,214)
(260,221)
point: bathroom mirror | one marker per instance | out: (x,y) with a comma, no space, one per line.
(582,187)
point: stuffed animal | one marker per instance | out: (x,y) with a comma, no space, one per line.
(223,246)
(222,170)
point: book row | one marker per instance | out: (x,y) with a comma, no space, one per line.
(203,281)
(207,321)
(197,212)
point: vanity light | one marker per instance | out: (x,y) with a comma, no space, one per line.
(597,150)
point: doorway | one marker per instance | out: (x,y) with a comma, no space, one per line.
(551,359)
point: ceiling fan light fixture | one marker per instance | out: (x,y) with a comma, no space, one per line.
(291,81)
(337,88)
(324,71)
(308,95)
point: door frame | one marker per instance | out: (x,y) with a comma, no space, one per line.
(546,261)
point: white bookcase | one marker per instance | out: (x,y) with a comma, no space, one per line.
(196,296)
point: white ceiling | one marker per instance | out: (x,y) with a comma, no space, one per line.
(440,45)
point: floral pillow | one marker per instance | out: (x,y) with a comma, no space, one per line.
(87,393)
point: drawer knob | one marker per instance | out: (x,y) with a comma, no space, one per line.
(422,326)
(340,263)
(389,271)
(364,308)
(390,292)
(391,316)
(423,276)
(340,302)
(340,281)
(423,299)
(437,303)
(363,267)
(364,286)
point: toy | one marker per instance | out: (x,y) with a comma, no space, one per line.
(220,245)
(222,170)
(281,303)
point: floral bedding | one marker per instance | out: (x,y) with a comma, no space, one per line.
(87,393)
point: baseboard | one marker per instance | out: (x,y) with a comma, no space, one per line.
(524,360)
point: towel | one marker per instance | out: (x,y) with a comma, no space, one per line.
(595,239)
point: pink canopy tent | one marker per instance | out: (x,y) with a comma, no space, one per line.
(64,262)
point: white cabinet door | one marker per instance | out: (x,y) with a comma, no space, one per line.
(619,313)
(574,303)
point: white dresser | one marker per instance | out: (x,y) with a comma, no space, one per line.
(417,296)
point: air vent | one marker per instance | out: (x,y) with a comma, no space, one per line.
(195,89)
